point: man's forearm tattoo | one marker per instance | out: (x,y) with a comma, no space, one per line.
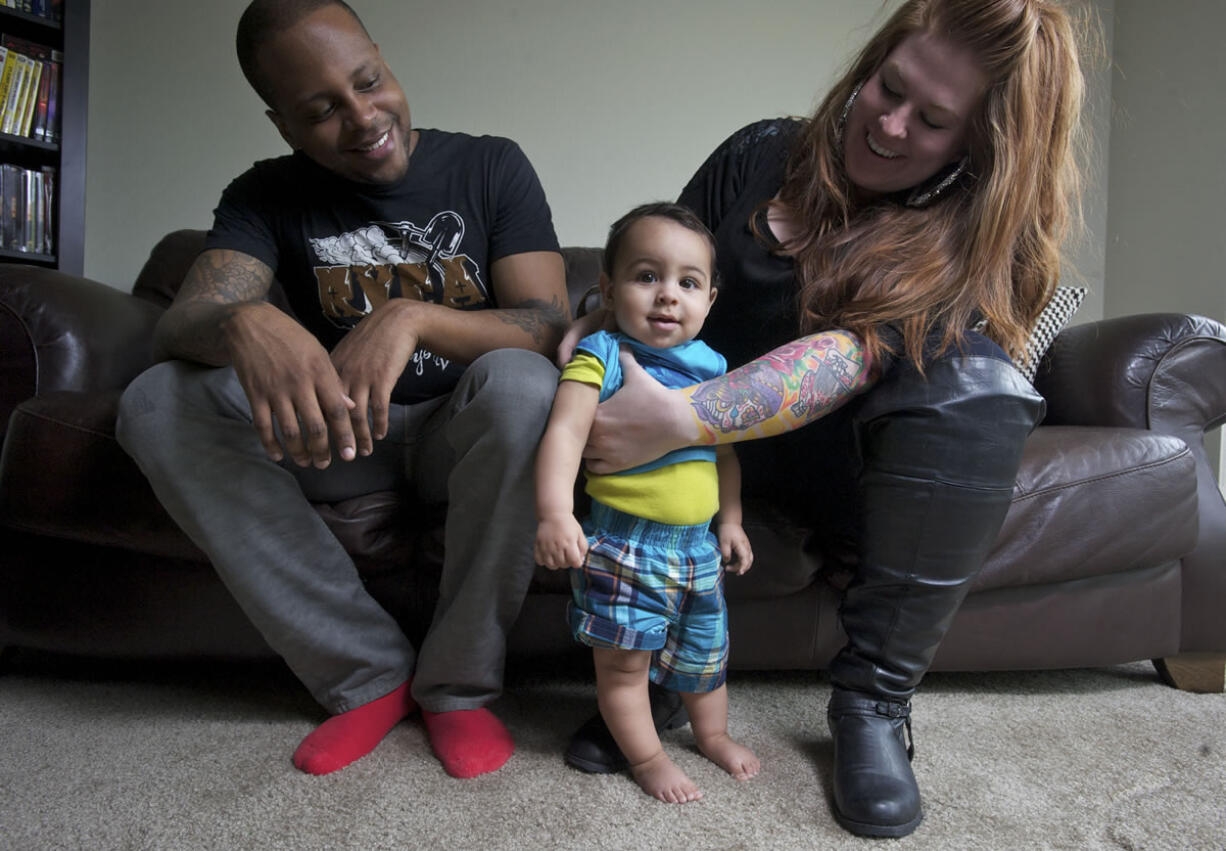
(214,285)
(539,318)
(784,389)
(228,278)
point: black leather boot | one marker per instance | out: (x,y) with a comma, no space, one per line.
(940,455)
(874,788)
(592,747)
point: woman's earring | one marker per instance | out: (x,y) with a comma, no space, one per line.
(838,128)
(921,197)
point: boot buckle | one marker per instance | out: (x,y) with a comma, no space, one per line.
(890,709)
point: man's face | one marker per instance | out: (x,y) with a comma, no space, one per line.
(336,100)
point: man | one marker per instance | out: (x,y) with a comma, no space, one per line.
(425,272)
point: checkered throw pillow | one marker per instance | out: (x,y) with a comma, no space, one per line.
(1055,316)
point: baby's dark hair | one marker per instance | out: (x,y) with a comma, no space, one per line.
(682,215)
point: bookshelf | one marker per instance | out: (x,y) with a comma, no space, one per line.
(69,36)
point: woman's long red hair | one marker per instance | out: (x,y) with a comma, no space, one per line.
(989,249)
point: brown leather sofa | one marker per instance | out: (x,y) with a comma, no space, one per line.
(1114,549)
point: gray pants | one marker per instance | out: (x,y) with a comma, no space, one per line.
(189,427)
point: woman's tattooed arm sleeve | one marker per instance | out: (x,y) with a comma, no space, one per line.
(783,390)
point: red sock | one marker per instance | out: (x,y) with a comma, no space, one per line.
(468,741)
(353,734)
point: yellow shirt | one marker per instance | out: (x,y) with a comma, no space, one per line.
(681,494)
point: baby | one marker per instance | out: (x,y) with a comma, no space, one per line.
(648,577)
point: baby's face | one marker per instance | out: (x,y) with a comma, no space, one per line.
(661,290)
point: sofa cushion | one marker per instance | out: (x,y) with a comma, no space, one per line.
(1093,501)
(786,558)
(582,273)
(63,474)
(167,265)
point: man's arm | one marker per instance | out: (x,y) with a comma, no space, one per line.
(218,284)
(534,312)
(532,288)
(219,317)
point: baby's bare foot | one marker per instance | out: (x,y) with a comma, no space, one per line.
(732,757)
(661,778)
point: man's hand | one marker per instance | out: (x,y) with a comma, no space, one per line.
(290,382)
(219,317)
(369,361)
(560,542)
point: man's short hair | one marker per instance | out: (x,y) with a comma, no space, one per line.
(264,20)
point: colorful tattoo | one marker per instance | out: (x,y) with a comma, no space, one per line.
(740,400)
(783,390)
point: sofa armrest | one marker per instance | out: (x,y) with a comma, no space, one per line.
(1165,373)
(1160,371)
(62,332)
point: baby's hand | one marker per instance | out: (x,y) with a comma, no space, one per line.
(734,547)
(589,323)
(560,542)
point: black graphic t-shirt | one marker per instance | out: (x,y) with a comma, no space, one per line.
(340,248)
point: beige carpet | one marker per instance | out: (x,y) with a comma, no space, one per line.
(184,757)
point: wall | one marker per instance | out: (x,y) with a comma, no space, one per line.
(1165,248)
(615,103)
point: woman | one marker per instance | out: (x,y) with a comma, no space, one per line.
(921,209)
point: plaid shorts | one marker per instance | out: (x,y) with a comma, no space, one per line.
(651,586)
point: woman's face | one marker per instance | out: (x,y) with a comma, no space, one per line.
(912,116)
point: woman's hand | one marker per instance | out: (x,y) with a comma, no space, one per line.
(639,423)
